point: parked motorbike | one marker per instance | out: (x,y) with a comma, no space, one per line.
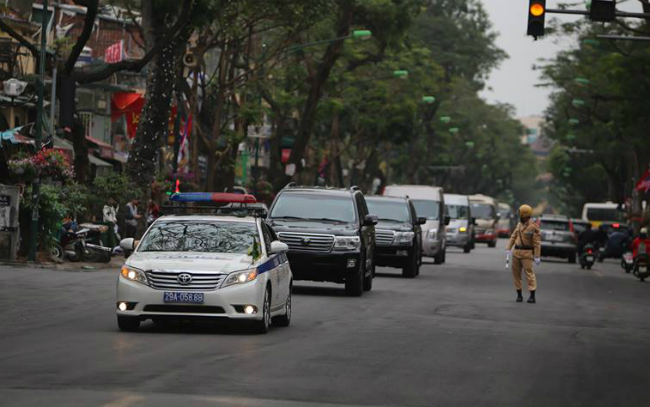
(642,266)
(588,256)
(83,244)
(627,261)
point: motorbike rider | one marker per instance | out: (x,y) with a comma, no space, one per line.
(525,239)
(587,236)
(616,244)
(641,243)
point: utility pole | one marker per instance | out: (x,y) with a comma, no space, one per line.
(36,185)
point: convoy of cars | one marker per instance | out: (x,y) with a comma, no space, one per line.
(226,256)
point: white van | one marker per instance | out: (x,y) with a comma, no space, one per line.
(429,203)
(460,232)
(484,209)
(597,213)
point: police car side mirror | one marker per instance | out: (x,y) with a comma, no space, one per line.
(128,244)
(421,220)
(279,247)
(447,220)
(473,221)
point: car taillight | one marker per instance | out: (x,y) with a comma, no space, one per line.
(590,251)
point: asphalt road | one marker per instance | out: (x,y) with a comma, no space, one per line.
(454,336)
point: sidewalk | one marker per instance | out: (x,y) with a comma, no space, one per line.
(115,264)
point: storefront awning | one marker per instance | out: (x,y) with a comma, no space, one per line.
(97,162)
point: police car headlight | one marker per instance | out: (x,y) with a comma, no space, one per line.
(240,277)
(404,237)
(431,234)
(347,243)
(133,274)
(462,229)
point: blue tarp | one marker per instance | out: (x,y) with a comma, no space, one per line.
(10,135)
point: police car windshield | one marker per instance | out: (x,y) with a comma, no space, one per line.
(389,210)
(458,211)
(314,206)
(425,208)
(483,211)
(200,236)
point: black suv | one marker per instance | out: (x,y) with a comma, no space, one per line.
(557,237)
(398,235)
(331,235)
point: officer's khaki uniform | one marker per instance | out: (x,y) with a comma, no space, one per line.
(525,240)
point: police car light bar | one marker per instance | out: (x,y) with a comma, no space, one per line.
(215,197)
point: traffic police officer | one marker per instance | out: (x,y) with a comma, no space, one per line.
(525,240)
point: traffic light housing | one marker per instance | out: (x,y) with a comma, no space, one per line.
(602,10)
(536,16)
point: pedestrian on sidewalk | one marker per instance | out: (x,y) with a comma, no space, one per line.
(132,215)
(110,217)
(525,239)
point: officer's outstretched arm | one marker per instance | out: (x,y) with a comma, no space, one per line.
(537,243)
(511,241)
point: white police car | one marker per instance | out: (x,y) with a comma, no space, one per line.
(198,266)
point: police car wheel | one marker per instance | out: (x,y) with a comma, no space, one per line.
(284,320)
(262,326)
(128,324)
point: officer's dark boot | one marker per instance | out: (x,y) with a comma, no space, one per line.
(519,297)
(531,299)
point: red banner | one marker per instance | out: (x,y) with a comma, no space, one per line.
(644,182)
(114,53)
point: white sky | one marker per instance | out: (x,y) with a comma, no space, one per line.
(514,80)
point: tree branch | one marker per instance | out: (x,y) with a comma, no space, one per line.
(22,40)
(89,24)
(137,65)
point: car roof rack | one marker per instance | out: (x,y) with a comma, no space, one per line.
(213,203)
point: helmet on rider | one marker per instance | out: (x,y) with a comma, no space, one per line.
(643,233)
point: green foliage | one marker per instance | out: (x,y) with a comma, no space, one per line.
(116,186)
(595,159)
(51,212)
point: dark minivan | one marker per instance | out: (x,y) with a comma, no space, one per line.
(330,233)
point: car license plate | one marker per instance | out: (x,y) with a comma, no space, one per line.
(643,269)
(402,253)
(180,297)
(589,258)
(555,238)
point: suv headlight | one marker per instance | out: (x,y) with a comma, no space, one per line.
(431,234)
(404,237)
(133,274)
(347,243)
(240,277)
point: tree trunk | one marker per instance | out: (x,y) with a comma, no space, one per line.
(153,127)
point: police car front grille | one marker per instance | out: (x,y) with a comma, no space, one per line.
(307,242)
(163,280)
(384,237)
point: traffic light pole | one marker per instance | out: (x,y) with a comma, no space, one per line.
(36,185)
(586,13)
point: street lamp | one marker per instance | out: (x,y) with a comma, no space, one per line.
(356,35)
(454,130)
(14,88)
(445,119)
(428,99)
(574,122)
(582,81)
(578,102)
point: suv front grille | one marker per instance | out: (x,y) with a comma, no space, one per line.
(384,237)
(162,280)
(307,242)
